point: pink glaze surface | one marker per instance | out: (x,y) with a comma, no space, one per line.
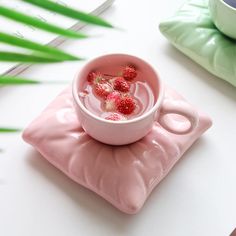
(123,175)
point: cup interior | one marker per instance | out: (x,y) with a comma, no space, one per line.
(231,3)
(112,63)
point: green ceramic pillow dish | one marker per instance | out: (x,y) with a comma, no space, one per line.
(192,31)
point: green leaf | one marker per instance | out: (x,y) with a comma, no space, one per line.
(23,18)
(19,57)
(70,12)
(12,80)
(8,80)
(9,130)
(24,43)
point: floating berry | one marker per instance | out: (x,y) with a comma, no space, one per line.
(95,77)
(126,105)
(112,100)
(129,73)
(120,84)
(91,76)
(115,117)
(103,89)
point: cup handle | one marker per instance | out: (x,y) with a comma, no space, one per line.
(180,108)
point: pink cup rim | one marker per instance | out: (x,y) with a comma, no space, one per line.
(143,116)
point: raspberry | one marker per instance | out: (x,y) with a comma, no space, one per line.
(91,76)
(95,77)
(115,117)
(103,89)
(129,73)
(120,84)
(126,105)
(112,101)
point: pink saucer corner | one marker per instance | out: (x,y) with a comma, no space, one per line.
(123,175)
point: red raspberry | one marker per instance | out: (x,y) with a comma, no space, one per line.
(103,89)
(120,84)
(129,73)
(95,77)
(112,100)
(126,105)
(115,117)
(91,76)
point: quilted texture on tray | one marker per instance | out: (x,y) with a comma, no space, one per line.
(124,175)
(192,31)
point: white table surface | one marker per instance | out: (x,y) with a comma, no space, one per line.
(197,198)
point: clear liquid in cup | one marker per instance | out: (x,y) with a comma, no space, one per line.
(139,90)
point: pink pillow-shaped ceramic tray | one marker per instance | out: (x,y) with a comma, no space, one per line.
(123,175)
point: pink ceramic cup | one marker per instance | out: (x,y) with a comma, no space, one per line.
(129,131)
